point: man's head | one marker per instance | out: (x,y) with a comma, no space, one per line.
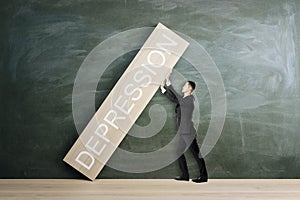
(189,86)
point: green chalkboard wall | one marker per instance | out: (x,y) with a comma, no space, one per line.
(253,43)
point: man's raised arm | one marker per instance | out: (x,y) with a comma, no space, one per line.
(169,94)
(170,87)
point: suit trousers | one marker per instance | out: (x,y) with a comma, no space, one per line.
(184,140)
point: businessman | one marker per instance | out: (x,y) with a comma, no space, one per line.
(185,128)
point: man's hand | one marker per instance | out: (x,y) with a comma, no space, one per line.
(168,76)
(163,83)
(168,82)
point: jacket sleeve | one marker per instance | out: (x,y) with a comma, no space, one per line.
(170,95)
(173,91)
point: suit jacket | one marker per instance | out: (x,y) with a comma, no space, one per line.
(184,110)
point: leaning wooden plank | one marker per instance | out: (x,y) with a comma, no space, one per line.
(123,105)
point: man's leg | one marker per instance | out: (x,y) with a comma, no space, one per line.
(194,148)
(181,160)
(183,166)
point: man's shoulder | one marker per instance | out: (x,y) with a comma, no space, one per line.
(191,97)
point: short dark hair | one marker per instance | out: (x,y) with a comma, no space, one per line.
(192,84)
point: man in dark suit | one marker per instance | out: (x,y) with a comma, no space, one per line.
(185,126)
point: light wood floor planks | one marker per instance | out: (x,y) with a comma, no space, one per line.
(132,189)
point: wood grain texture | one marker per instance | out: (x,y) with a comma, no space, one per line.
(125,189)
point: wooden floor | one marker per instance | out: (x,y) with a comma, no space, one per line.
(131,189)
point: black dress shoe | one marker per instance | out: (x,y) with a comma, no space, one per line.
(200,179)
(180,178)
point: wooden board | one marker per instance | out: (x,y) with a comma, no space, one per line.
(126,101)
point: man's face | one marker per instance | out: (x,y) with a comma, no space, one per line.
(186,87)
